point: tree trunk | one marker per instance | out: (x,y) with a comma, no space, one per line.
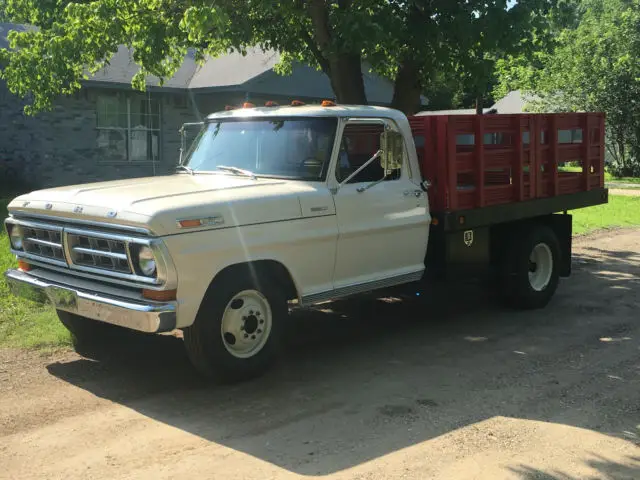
(407,88)
(479,109)
(344,69)
(346,79)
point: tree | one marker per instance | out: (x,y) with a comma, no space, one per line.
(592,66)
(408,41)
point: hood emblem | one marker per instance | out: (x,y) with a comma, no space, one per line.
(77,209)
(111,214)
(26,204)
(48,206)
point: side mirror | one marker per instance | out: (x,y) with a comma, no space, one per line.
(392,146)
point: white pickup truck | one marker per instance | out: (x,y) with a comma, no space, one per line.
(270,208)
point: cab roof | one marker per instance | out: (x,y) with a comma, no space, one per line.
(361,111)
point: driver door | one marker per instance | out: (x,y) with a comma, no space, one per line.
(382,230)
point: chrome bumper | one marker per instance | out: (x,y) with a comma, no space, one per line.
(151,317)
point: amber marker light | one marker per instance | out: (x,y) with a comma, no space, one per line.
(23,266)
(159,295)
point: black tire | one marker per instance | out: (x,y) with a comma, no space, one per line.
(87,333)
(203,340)
(516,286)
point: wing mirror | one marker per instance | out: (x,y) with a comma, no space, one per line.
(392,146)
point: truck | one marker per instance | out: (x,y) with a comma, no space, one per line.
(275,207)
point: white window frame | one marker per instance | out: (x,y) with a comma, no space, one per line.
(128,130)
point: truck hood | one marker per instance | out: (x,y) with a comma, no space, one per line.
(157,203)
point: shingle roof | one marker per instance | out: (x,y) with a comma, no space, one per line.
(251,73)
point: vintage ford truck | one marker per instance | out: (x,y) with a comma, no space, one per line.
(281,206)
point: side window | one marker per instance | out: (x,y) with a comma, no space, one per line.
(358,144)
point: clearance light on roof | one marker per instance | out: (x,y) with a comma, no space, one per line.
(328,103)
(230,107)
(248,105)
(271,103)
(297,103)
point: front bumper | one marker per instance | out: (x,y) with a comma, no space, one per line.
(150,317)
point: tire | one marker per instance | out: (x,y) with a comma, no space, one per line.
(87,333)
(237,332)
(530,273)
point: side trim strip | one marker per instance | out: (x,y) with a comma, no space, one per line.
(361,288)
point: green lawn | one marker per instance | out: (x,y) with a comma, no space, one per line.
(607,176)
(24,324)
(619,212)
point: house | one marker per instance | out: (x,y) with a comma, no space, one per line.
(109,131)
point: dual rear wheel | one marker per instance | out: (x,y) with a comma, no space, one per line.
(530,268)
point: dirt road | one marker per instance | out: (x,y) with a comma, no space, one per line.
(447,388)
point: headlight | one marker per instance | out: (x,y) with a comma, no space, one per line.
(146,261)
(16,236)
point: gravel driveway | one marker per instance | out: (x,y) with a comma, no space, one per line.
(450,387)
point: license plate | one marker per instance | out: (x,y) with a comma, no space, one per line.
(63,298)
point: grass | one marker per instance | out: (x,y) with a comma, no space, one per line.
(24,324)
(621,211)
(607,176)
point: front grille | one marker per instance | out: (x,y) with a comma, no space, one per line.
(43,242)
(97,252)
(93,253)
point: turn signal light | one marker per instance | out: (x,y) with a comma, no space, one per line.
(191,223)
(328,103)
(297,103)
(160,295)
(24,266)
(435,221)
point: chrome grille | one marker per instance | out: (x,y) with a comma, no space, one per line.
(43,242)
(97,252)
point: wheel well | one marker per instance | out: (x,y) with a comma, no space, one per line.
(503,234)
(262,271)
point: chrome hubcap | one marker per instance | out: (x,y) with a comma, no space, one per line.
(540,267)
(246,324)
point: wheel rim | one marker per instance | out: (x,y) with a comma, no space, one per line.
(540,267)
(246,324)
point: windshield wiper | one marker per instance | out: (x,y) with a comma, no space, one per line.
(237,171)
(186,169)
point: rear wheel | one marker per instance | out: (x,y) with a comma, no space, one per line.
(530,274)
(236,334)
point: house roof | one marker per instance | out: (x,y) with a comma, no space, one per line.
(252,73)
(512,102)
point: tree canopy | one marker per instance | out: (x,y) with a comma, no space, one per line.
(411,42)
(591,65)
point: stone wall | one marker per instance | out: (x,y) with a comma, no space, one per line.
(60,147)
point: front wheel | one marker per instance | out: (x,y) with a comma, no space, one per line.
(531,268)
(236,334)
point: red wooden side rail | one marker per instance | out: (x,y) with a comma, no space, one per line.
(520,157)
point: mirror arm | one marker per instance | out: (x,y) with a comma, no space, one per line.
(362,167)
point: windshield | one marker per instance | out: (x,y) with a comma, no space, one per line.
(298,148)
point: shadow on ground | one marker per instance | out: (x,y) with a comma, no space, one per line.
(604,469)
(366,377)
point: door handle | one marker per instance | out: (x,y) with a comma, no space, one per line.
(416,193)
